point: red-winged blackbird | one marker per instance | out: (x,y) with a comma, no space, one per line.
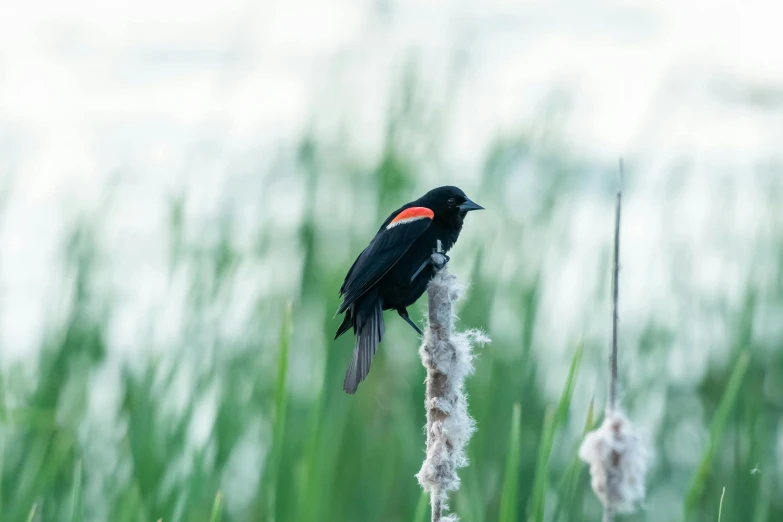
(394,269)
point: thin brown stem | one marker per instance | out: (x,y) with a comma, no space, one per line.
(608,513)
(447,357)
(436,384)
(615,297)
(437,509)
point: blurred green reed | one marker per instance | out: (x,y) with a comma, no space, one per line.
(553,419)
(279,416)
(285,443)
(508,501)
(217,509)
(717,431)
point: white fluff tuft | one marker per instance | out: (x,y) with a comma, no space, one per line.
(618,462)
(448,357)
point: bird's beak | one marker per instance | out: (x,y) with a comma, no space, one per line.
(470,205)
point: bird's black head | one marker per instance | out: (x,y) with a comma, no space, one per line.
(448,203)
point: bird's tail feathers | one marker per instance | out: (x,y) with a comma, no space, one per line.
(369,332)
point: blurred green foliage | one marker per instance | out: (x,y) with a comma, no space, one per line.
(283,442)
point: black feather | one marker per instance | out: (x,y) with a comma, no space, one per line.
(368,335)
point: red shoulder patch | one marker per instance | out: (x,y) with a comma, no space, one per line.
(411,214)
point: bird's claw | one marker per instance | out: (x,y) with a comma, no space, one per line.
(439,260)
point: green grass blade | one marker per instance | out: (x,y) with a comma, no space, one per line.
(717,429)
(2,437)
(568,391)
(421,507)
(217,508)
(2,468)
(48,456)
(720,506)
(278,433)
(540,480)
(473,508)
(31,516)
(590,421)
(567,486)
(552,421)
(763,507)
(307,502)
(508,500)
(76,496)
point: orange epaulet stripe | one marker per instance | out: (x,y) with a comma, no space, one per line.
(411,214)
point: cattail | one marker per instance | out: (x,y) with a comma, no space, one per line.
(618,463)
(617,457)
(448,357)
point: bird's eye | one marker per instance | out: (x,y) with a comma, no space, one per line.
(451,202)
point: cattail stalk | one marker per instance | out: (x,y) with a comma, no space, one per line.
(617,457)
(448,358)
(608,510)
(615,298)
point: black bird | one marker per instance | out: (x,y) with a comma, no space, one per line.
(394,269)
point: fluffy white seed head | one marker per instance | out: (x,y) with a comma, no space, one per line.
(618,461)
(448,357)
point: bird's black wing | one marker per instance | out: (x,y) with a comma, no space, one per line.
(383,252)
(383,226)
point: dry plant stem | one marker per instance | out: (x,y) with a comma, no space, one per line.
(608,513)
(447,355)
(615,296)
(617,456)
(437,509)
(439,313)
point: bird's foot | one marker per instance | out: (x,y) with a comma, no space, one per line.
(439,260)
